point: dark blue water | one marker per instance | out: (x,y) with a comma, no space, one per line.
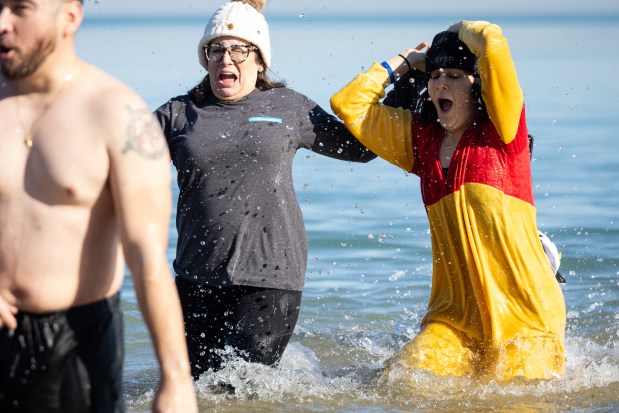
(369,263)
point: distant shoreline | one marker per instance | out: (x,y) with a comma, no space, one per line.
(400,19)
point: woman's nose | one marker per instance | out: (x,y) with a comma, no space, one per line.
(441,81)
(226,58)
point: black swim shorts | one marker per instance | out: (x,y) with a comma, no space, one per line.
(68,361)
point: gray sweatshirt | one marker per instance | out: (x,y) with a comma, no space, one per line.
(238,218)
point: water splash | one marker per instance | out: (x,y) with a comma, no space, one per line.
(337,370)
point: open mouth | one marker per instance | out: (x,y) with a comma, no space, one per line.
(4,50)
(226,78)
(445,105)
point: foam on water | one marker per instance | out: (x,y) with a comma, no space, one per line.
(337,371)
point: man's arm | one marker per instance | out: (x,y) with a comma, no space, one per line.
(141,189)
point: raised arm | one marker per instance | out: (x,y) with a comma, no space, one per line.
(499,82)
(384,130)
(141,188)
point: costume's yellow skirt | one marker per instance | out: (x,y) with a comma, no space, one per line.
(446,351)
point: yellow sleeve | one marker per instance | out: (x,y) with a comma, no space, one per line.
(499,82)
(384,130)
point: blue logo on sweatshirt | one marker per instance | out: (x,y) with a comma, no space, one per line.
(264,119)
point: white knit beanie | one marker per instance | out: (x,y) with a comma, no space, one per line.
(242,19)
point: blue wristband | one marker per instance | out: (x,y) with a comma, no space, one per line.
(391,75)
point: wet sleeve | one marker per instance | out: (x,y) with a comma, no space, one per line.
(323,133)
(162,113)
(499,82)
(408,92)
(386,131)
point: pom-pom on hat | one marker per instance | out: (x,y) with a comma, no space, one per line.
(242,19)
(449,52)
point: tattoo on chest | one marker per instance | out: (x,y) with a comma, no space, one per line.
(144,135)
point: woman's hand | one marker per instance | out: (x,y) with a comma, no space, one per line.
(415,58)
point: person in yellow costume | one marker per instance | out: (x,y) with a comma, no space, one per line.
(495,309)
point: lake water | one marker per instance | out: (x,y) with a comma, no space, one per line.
(368,278)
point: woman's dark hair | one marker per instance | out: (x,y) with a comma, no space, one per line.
(203,89)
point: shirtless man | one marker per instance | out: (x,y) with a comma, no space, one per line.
(83,172)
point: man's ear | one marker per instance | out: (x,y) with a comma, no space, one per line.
(73,14)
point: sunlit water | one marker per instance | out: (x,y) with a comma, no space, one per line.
(369,268)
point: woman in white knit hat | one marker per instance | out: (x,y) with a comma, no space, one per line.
(242,248)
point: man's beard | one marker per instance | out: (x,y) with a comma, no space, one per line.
(30,62)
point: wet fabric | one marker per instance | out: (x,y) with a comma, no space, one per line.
(238,218)
(64,362)
(256,322)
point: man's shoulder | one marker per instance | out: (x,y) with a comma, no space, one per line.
(100,89)
(104,97)
(108,107)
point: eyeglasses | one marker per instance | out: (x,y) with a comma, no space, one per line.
(238,52)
